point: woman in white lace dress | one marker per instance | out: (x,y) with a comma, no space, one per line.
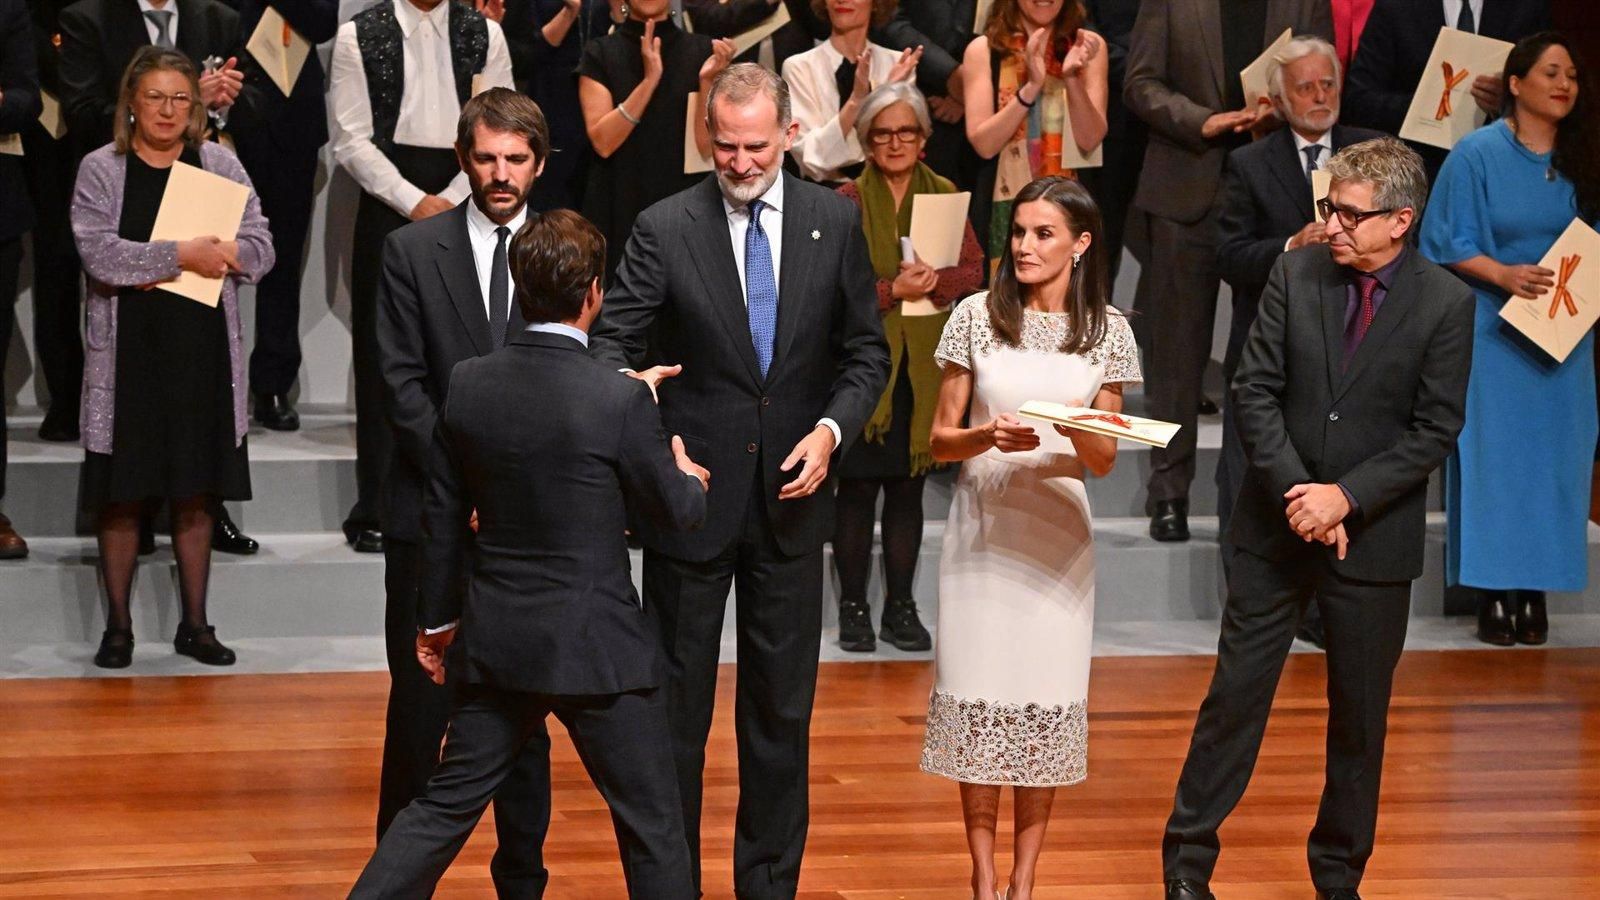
(1016,578)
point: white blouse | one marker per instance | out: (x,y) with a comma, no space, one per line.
(823,148)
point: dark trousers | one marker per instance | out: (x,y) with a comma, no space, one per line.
(1365,625)
(10,270)
(415,724)
(1178,293)
(430,170)
(779,607)
(52,169)
(623,741)
(284,180)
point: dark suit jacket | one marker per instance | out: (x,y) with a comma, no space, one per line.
(298,122)
(1378,428)
(677,299)
(46,16)
(726,18)
(943,28)
(19,107)
(550,447)
(99,39)
(431,316)
(1175,81)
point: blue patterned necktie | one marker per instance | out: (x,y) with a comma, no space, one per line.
(761,288)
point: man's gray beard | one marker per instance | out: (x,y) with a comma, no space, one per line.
(1300,123)
(740,194)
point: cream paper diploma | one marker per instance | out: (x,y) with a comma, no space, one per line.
(198,203)
(1558,319)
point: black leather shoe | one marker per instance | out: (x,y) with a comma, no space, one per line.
(1184,889)
(903,628)
(116,649)
(1494,619)
(1207,407)
(61,429)
(274,412)
(227,538)
(855,627)
(1171,521)
(202,644)
(364,540)
(1339,894)
(1533,625)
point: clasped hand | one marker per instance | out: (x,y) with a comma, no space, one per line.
(1316,512)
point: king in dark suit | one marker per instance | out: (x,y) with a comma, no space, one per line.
(758,285)
(549,450)
(1351,390)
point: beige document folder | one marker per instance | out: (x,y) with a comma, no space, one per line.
(50,117)
(1254,76)
(197,203)
(1558,319)
(1442,110)
(745,40)
(693,162)
(938,222)
(1098,421)
(980,15)
(11,144)
(279,49)
(1320,182)
(1071,156)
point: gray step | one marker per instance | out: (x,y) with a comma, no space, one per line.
(311,585)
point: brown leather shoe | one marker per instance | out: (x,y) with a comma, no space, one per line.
(12,546)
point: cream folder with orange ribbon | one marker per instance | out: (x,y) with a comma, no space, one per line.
(1097,421)
(1442,110)
(279,49)
(1558,319)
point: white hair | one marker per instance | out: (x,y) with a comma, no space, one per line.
(1301,47)
(886,95)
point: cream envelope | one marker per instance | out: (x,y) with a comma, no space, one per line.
(1557,320)
(1320,182)
(479,84)
(745,40)
(1098,421)
(980,15)
(279,49)
(938,222)
(11,144)
(1071,156)
(50,117)
(197,203)
(693,162)
(1442,110)
(1254,76)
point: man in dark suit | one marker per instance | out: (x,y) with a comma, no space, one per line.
(943,29)
(1394,49)
(1351,390)
(19,107)
(758,286)
(445,296)
(1114,183)
(1183,81)
(547,451)
(1265,209)
(278,138)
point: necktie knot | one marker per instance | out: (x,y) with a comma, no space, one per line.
(1312,153)
(162,19)
(501,232)
(755,208)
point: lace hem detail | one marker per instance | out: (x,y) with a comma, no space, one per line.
(1027,744)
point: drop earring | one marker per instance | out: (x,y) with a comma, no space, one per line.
(1077,257)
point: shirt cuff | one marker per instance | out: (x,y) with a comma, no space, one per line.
(1287,243)
(441,629)
(838,437)
(1351,499)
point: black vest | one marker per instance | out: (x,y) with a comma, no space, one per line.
(380,40)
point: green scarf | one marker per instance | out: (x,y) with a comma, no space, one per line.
(912,339)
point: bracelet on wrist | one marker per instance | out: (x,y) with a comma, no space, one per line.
(1026,104)
(627,115)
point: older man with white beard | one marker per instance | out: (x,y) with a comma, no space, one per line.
(1266,208)
(755,292)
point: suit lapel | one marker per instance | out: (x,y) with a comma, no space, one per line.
(1395,307)
(460,276)
(1289,166)
(799,249)
(191,31)
(712,253)
(127,27)
(1334,300)
(1208,13)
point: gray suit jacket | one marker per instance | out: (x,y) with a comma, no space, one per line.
(1176,81)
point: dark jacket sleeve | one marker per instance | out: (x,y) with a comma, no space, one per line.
(85,103)
(1258,389)
(19,70)
(1375,94)
(864,363)
(316,20)
(402,354)
(1147,90)
(1244,255)
(1437,412)
(937,65)
(717,19)
(621,336)
(655,487)
(446,514)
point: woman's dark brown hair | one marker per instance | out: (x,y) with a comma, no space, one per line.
(882,12)
(1577,150)
(151,58)
(555,257)
(1086,291)
(1007,29)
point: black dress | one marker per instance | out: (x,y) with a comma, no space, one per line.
(172,435)
(649,165)
(550,76)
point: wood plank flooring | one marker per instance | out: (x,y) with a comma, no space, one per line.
(264,786)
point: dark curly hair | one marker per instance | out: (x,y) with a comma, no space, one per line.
(1577,150)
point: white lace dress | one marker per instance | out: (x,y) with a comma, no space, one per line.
(1016,576)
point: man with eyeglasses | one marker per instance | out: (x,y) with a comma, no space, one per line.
(1351,390)
(1264,210)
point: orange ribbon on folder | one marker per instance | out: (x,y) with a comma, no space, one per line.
(1113,418)
(1452,80)
(1563,297)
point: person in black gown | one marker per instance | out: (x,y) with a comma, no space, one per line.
(164,413)
(634,86)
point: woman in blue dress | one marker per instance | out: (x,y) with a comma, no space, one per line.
(1517,488)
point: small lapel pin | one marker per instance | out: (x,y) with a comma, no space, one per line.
(816,235)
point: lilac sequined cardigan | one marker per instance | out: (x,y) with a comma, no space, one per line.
(113,263)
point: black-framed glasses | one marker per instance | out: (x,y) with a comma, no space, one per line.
(908,134)
(1348,217)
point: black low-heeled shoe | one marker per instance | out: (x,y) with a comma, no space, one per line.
(202,644)
(1494,619)
(227,538)
(1533,624)
(116,649)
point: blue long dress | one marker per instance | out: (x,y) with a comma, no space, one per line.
(1517,487)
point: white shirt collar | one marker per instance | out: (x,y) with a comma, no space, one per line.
(410,17)
(577,334)
(773,198)
(482,227)
(1300,143)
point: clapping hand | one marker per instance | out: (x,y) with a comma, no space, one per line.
(1033,54)
(1084,48)
(491,9)
(650,52)
(220,86)
(722,53)
(905,68)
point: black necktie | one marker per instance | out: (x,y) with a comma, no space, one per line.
(499,290)
(845,78)
(1464,20)
(1313,153)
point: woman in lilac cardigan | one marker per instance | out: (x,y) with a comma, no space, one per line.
(163,413)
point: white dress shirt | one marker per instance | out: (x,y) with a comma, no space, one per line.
(172,23)
(480,231)
(1452,12)
(428,106)
(823,148)
(772,224)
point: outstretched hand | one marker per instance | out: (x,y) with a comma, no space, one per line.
(654,375)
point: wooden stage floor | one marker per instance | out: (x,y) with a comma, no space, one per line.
(264,786)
